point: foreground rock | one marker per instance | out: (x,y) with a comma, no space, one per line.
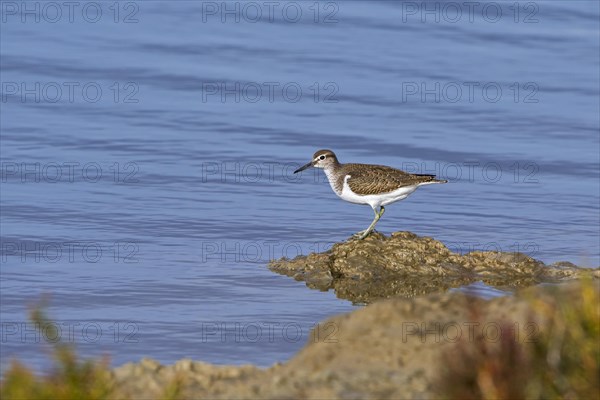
(407,265)
(402,348)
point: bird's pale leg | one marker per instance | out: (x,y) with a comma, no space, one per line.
(363,234)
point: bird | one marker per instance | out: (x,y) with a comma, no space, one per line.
(375,185)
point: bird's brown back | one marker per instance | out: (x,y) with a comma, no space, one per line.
(368,179)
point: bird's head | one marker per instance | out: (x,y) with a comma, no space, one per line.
(321,159)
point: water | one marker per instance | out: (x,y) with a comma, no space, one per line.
(146,202)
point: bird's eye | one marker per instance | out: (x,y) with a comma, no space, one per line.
(322,158)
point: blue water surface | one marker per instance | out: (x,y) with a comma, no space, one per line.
(148,147)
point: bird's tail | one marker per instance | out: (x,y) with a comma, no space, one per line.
(431,179)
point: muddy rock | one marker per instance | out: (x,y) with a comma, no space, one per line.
(407,265)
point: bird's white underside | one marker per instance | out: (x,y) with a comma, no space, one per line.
(374,200)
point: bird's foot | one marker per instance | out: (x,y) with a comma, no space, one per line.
(362,234)
(358,235)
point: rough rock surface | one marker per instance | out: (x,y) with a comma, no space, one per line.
(388,350)
(407,265)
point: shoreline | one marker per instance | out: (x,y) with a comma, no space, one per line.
(389,349)
(397,346)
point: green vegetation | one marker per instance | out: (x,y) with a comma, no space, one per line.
(69,378)
(559,361)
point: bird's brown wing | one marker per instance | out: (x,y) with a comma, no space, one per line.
(374,179)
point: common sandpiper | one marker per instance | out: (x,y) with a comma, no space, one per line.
(375,185)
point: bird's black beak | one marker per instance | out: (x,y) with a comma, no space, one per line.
(302,168)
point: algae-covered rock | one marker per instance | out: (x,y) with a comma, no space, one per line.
(407,265)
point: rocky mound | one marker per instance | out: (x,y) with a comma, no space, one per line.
(407,265)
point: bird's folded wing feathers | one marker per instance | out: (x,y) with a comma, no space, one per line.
(382,179)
